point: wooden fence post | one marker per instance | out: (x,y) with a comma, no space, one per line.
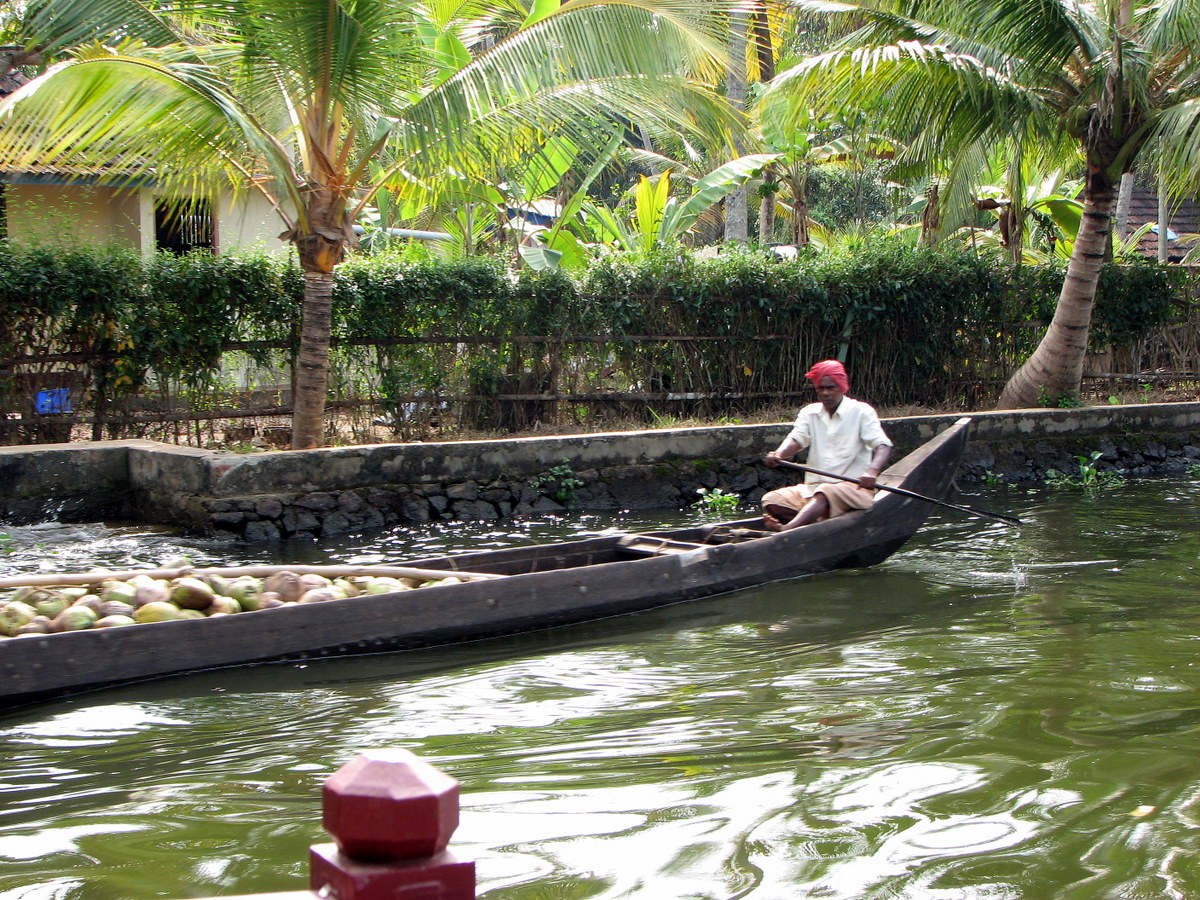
(391,816)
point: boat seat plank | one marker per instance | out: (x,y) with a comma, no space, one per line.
(648,545)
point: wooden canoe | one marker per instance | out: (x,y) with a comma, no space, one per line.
(542,587)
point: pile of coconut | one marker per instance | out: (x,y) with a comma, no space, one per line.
(104,601)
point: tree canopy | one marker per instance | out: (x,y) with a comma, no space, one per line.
(322,104)
(1113,76)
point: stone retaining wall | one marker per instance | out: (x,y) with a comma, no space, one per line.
(268,496)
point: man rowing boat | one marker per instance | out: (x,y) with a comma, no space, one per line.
(843,436)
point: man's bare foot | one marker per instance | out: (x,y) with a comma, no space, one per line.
(770,523)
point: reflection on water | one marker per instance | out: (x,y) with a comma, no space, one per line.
(993,713)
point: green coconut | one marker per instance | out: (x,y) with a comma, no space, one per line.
(121,591)
(72,594)
(14,615)
(90,601)
(219,584)
(158,611)
(385,585)
(51,605)
(247,591)
(74,618)
(115,621)
(226,605)
(25,594)
(191,614)
(346,587)
(191,593)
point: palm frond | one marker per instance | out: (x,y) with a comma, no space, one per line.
(57,25)
(119,117)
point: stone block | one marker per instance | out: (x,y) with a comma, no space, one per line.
(294,521)
(336,523)
(269,508)
(261,531)
(415,508)
(318,500)
(464,491)
(473,510)
(744,481)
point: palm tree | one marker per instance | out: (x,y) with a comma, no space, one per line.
(321,104)
(1110,74)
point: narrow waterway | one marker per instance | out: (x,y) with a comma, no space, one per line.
(993,713)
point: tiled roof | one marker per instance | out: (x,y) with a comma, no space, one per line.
(1143,209)
(10,81)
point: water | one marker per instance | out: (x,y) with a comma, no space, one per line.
(993,713)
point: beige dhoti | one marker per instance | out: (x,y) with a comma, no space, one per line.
(841,495)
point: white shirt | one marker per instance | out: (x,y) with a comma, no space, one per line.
(842,443)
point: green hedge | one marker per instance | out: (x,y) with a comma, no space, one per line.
(915,325)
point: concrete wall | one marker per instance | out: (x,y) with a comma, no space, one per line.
(249,222)
(91,215)
(74,215)
(320,492)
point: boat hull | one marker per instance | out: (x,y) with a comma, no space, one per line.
(546,586)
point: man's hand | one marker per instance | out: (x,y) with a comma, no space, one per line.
(867,480)
(786,450)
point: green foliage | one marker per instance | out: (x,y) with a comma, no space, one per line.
(1091,477)
(840,195)
(913,324)
(1048,401)
(200,302)
(717,502)
(1133,300)
(559,482)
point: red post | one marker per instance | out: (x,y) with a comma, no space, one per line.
(391,816)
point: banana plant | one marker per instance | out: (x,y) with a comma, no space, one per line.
(657,217)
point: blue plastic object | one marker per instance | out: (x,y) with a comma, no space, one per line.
(55,400)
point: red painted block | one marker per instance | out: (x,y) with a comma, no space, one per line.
(335,876)
(389,805)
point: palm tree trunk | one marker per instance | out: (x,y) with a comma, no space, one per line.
(766,219)
(312,363)
(1055,369)
(931,217)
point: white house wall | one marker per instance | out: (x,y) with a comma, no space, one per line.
(91,215)
(73,215)
(249,222)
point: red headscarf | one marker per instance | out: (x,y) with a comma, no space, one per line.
(833,369)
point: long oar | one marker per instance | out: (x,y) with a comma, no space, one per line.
(1007,520)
